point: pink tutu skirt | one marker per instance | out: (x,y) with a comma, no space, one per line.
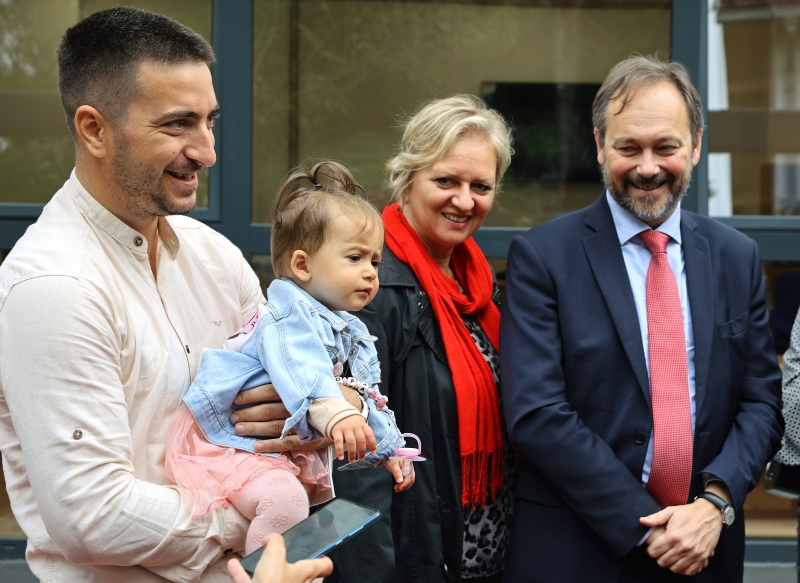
(207,474)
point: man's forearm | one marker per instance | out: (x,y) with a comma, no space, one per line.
(269,416)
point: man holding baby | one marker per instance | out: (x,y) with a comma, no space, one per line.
(105,306)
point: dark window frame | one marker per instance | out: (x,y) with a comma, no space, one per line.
(232,37)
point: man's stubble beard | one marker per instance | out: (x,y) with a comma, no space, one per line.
(142,186)
(647,208)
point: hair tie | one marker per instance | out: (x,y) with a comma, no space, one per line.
(317,185)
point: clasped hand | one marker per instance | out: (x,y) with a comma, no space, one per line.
(684,537)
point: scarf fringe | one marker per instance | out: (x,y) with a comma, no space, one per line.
(477,402)
(481,477)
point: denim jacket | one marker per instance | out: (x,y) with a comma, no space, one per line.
(293,342)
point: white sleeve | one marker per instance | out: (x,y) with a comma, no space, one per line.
(250,292)
(60,373)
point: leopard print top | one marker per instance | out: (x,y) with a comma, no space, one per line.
(486,529)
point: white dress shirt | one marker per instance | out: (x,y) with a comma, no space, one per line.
(95,356)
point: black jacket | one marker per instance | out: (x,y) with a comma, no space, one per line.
(420,535)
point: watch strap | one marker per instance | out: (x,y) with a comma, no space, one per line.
(717,501)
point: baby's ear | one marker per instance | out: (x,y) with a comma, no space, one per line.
(300,267)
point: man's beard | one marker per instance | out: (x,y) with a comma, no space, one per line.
(141,185)
(647,208)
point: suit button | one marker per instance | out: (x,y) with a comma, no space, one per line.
(638,438)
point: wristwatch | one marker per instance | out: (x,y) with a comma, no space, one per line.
(728,514)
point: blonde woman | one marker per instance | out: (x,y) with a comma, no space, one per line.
(437,321)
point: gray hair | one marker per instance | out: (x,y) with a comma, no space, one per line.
(636,72)
(430,133)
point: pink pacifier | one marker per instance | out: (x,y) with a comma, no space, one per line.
(407,454)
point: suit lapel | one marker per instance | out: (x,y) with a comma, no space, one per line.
(699,285)
(605,258)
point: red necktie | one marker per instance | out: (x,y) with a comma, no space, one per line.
(671,473)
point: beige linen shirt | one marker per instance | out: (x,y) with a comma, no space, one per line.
(95,356)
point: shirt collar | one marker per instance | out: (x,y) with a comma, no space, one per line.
(629,226)
(112,226)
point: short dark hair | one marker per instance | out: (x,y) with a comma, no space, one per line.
(637,72)
(99,58)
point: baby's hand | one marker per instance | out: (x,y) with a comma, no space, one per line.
(358,436)
(395,468)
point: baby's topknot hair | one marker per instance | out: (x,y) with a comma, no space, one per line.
(306,204)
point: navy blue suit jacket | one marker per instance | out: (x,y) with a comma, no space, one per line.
(576,391)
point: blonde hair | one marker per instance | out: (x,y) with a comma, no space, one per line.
(430,133)
(303,214)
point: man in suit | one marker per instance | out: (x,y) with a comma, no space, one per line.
(638,370)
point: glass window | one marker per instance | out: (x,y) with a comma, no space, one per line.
(783,299)
(754,109)
(767,515)
(36,150)
(332,79)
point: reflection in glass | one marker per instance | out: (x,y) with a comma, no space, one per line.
(783,299)
(331,79)
(767,515)
(36,150)
(754,67)
(554,168)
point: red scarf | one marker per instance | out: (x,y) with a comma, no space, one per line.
(479,435)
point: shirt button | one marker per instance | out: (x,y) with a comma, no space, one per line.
(422,292)
(227,552)
(638,438)
(420,305)
(77,434)
(138,241)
